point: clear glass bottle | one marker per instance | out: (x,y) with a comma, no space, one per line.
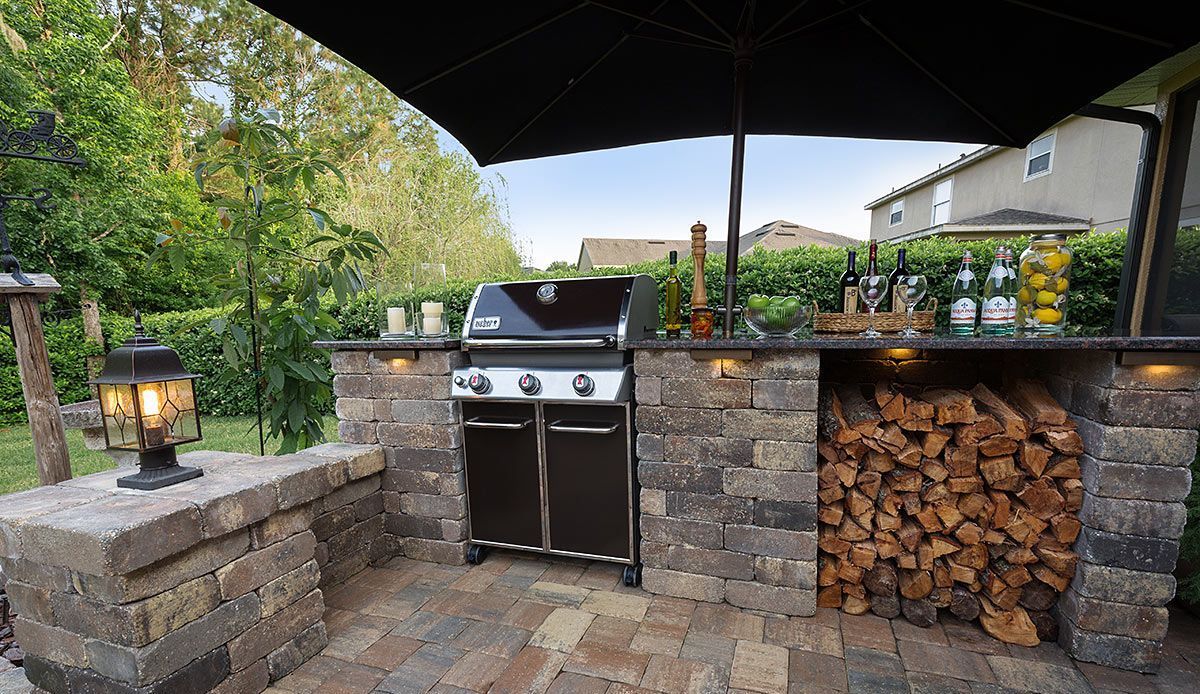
(993,298)
(963,296)
(1011,292)
(673,321)
(1045,276)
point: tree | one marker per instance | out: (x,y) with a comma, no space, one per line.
(560,266)
(53,56)
(261,182)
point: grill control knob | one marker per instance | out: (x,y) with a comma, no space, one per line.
(583,384)
(460,381)
(529,384)
(479,383)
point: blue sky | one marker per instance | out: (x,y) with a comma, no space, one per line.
(660,190)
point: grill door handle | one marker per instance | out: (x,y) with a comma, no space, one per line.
(480,423)
(517,343)
(562,427)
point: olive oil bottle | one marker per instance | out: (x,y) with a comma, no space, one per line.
(674,316)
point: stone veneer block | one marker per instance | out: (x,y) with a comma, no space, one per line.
(138,623)
(114,534)
(246,573)
(273,632)
(22,507)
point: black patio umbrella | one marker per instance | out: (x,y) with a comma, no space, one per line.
(533,78)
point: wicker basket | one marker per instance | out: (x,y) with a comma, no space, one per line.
(890,322)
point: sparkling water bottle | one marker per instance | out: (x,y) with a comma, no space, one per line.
(993,298)
(963,306)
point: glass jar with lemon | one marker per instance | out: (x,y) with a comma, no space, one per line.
(1045,282)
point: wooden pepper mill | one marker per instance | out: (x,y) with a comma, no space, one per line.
(699,294)
(702,315)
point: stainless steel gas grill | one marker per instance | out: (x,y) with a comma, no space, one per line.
(547,415)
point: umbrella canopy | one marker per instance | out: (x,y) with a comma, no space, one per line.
(518,80)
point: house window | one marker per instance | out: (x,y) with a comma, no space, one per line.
(897,213)
(1039,155)
(941,202)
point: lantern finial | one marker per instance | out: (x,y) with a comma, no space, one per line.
(138,330)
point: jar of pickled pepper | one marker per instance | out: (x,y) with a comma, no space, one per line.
(702,323)
(1045,281)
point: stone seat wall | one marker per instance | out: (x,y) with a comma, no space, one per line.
(208,585)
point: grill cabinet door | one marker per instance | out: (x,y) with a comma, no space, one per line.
(588,479)
(503,481)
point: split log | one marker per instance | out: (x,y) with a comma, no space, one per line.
(948,499)
(920,613)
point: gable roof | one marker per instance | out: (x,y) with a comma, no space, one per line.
(777,235)
(1009,217)
(603,251)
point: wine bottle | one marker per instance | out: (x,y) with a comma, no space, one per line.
(849,285)
(674,315)
(963,306)
(891,303)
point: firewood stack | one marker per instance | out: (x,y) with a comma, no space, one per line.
(948,499)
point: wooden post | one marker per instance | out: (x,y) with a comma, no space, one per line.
(37,383)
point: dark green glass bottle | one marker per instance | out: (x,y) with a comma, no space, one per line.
(674,317)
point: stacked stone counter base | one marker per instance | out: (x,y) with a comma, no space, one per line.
(1138,425)
(726,457)
(208,585)
(404,405)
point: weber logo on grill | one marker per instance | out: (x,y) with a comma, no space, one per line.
(486,323)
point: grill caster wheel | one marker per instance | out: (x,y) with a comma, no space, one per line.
(633,575)
(476,554)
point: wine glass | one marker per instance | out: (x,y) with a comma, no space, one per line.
(872,289)
(910,289)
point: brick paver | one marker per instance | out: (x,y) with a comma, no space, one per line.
(523,623)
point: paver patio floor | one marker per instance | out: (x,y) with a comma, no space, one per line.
(525,623)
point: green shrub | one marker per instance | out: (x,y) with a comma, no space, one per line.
(809,271)
(812,273)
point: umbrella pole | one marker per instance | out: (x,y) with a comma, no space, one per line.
(741,71)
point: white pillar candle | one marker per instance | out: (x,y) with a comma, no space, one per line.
(431,323)
(396,320)
(431,308)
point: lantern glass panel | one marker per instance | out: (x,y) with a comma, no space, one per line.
(168,413)
(120,417)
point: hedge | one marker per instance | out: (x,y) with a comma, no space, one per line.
(810,272)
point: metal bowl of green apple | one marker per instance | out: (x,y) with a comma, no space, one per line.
(776,316)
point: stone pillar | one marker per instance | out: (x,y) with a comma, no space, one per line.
(1138,425)
(207,585)
(404,404)
(726,459)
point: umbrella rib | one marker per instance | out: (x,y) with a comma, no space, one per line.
(493,48)
(833,15)
(934,78)
(1093,24)
(570,85)
(674,42)
(788,15)
(710,20)
(655,22)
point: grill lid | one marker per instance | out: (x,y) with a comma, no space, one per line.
(587,312)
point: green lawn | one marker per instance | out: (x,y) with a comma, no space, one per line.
(18,470)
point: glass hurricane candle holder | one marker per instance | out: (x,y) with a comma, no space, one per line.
(394,311)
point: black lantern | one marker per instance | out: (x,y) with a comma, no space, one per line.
(149,406)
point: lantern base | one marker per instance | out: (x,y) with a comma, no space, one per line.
(158,469)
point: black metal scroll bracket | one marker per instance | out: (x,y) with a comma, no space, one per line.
(8,261)
(26,144)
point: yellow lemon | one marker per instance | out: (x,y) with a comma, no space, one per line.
(1045,298)
(1027,268)
(1025,295)
(1054,261)
(1038,280)
(1047,315)
(1058,286)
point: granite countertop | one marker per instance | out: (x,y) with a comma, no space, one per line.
(840,341)
(371,345)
